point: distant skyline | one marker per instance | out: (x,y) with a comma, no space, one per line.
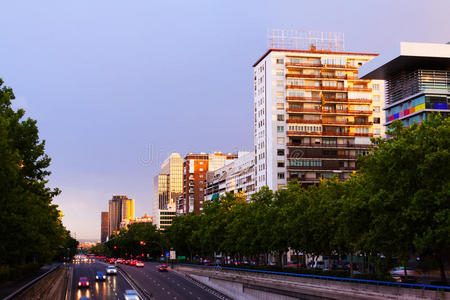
(117,86)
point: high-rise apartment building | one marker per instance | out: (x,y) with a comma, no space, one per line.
(104,227)
(417,80)
(313,115)
(167,185)
(120,208)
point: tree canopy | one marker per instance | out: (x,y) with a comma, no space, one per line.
(32,230)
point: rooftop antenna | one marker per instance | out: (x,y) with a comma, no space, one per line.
(289,39)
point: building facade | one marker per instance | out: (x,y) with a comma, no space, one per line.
(104,227)
(120,208)
(312,115)
(195,169)
(417,80)
(167,186)
(235,177)
(129,221)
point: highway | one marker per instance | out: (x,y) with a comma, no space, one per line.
(112,288)
(156,285)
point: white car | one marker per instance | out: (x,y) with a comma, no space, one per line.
(131,295)
(111,270)
(139,264)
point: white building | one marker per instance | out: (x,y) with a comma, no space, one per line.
(234,177)
(313,115)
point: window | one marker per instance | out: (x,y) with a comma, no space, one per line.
(280,152)
(376,87)
(280,117)
(280,105)
(376,98)
(280,83)
(280,164)
(280,140)
(376,121)
(279,95)
(280,175)
(280,61)
(201,169)
(279,72)
(376,131)
(376,109)
(280,128)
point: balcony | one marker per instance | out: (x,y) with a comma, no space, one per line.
(331,146)
(329,122)
(323,156)
(332,100)
(303,110)
(303,87)
(364,101)
(321,168)
(305,65)
(360,112)
(318,76)
(334,88)
(302,133)
(350,123)
(303,121)
(294,98)
(359,89)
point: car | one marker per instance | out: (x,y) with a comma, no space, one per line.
(100,276)
(398,273)
(83,282)
(131,295)
(132,262)
(111,270)
(139,264)
(163,268)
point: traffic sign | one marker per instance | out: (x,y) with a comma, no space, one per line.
(167,254)
(173,254)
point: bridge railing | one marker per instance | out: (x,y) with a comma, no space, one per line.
(342,279)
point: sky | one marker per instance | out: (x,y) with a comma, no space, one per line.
(117,85)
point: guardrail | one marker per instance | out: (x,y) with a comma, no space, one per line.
(25,287)
(343,279)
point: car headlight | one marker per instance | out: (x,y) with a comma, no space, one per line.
(96,277)
(79,283)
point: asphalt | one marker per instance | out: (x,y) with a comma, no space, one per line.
(112,288)
(166,285)
(158,285)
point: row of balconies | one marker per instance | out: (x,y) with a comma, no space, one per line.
(329,88)
(332,146)
(321,168)
(337,122)
(328,99)
(325,76)
(322,133)
(318,65)
(329,111)
(313,156)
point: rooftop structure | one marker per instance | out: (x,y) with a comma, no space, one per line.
(417,80)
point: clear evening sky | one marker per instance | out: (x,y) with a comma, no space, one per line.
(117,85)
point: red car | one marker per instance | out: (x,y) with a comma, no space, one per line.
(163,268)
(83,282)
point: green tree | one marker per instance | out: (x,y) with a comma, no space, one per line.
(407,178)
(33,231)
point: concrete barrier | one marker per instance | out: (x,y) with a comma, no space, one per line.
(52,286)
(245,285)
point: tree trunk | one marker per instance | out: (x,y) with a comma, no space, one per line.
(441,269)
(351,263)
